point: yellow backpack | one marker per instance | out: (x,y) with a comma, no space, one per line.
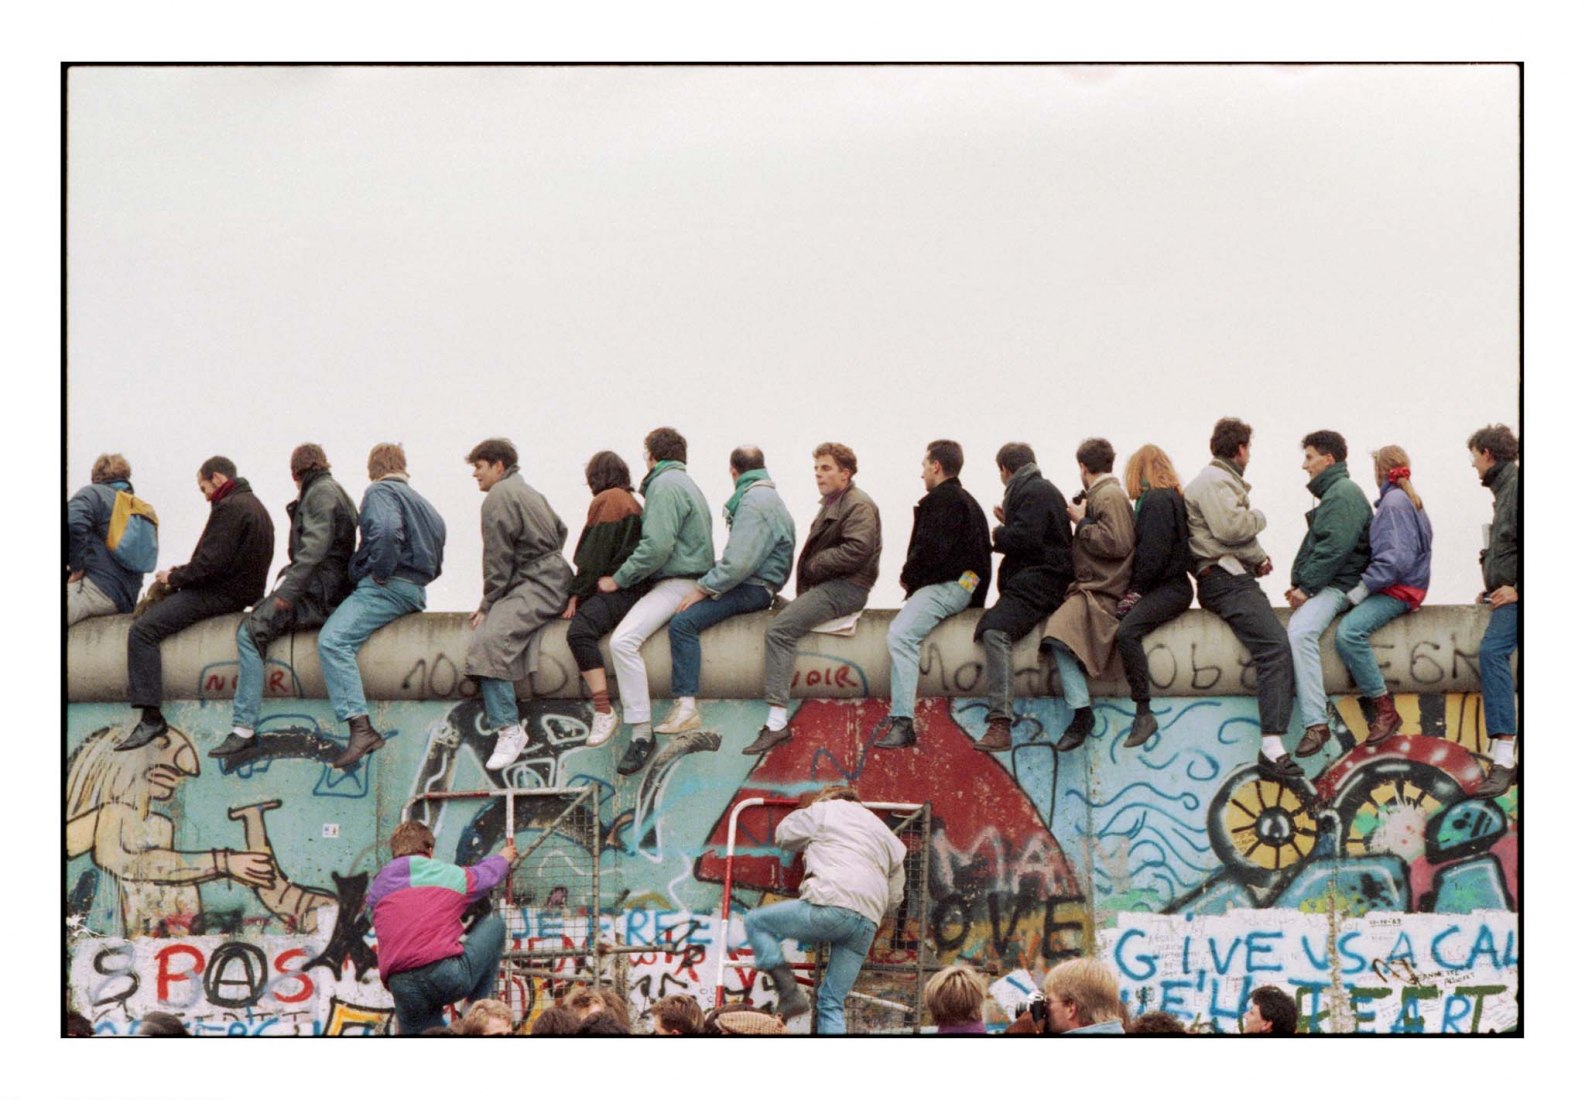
(133,537)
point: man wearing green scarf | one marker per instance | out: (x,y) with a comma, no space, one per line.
(674,550)
(754,566)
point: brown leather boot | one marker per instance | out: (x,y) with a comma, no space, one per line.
(998,736)
(1314,739)
(364,741)
(1385,722)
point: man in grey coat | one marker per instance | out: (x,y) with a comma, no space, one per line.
(324,533)
(526,584)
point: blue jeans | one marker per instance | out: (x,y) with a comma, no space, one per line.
(1353,640)
(918,617)
(500,702)
(1305,627)
(249,696)
(1496,678)
(685,627)
(1075,689)
(369,607)
(848,933)
(421,993)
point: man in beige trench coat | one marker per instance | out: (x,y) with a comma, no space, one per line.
(1082,633)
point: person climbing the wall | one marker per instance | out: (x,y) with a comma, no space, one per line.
(526,584)
(852,885)
(417,903)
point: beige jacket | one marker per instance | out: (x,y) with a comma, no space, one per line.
(1222,525)
(851,859)
(1103,563)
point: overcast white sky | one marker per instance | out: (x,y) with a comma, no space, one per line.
(882,256)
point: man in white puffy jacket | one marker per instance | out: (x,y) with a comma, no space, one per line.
(852,884)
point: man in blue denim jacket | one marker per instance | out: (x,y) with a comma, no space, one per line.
(401,541)
(754,566)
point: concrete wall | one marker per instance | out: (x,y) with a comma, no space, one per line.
(1393,909)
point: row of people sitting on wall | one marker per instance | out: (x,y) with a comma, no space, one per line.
(1095,576)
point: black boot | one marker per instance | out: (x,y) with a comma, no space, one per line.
(364,741)
(148,728)
(1078,730)
(768,739)
(1144,726)
(900,736)
(791,1000)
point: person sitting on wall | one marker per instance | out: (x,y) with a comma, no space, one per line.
(97,582)
(674,550)
(1393,584)
(1083,631)
(417,904)
(837,567)
(948,569)
(526,584)
(1271,1012)
(226,573)
(1225,552)
(1159,589)
(754,567)
(323,534)
(1330,562)
(610,532)
(852,884)
(1494,452)
(1035,539)
(402,543)
(956,1000)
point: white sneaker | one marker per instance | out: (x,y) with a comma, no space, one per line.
(509,742)
(604,726)
(680,720)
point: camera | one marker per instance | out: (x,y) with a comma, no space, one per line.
(1036,1007)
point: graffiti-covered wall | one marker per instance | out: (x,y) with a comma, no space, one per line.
(229,891)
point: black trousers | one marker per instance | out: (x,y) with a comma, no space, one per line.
(175,613)
(1156,607)
(596,617)
(1239,601)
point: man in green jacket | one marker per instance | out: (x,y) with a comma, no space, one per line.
(1494,452)
(674,551)
(1332,558)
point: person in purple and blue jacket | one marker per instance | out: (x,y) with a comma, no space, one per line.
(417,902)
(1394,583)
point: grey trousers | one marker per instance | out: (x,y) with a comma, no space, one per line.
(84,600)
(828,600)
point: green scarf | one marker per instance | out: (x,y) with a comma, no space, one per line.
(1144,487)
(659,468)
(743,482)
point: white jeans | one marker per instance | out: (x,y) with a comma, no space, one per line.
(647,616)
(85,600)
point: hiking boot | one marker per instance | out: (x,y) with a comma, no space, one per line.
(603,727)
(1314,739)
(363,741)
(144,732)
(1497,782)
(232,743)
(680,720)
(1144,728)
(1078,730)
(639,750)
(509,742)
(900,736)
(998,736)
(1385,722)
(768,739)
(1280,770)
(791,1000)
